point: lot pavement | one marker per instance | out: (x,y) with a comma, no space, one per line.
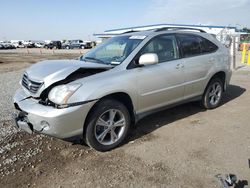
(181,147)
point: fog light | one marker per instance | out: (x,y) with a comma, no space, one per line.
(45,125)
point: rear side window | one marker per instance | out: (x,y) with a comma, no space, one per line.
(207,46)
(193,45)
(190,45)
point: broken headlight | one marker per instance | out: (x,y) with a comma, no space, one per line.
(60,94)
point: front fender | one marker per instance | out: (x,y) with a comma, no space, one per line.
(86,93)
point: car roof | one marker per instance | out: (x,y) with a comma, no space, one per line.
(152,33)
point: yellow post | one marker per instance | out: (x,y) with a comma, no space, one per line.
(244,53)
(248,59)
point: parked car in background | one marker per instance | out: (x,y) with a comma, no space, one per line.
(75,44)
(90,44)
(18,43)
(7,45)
(66,44)
(53,45)
(1,46)
(39,44)
(100,95)
(28,44)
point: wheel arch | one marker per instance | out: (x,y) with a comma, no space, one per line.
(221,75)
(122,97)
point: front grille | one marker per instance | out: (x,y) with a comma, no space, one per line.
(30,85)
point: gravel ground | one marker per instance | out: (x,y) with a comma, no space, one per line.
(181,147)
(9,84)
(8,81)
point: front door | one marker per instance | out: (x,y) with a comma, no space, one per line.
(160,84)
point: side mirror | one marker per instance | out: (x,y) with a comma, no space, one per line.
(148,59)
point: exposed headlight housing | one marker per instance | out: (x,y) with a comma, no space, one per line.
(61,94)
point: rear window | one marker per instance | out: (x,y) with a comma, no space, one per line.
(207,46)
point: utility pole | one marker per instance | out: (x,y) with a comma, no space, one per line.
(234,52)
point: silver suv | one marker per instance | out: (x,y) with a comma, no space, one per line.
(99,96)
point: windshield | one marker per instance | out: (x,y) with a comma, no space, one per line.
(114,51)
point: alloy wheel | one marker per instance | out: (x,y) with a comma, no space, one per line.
(110,127)
(215,92)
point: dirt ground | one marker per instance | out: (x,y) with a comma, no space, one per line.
(185,146)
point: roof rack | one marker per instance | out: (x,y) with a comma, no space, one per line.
(179,28)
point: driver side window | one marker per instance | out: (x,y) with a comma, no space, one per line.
(165,46)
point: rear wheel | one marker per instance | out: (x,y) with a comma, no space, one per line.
(108,125)
(82,47)
(213,94)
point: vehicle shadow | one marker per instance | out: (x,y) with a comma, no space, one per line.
(163,118)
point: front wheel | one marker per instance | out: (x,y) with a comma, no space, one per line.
(213,94)
(108,125)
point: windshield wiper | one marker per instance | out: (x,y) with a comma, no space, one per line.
(95,59)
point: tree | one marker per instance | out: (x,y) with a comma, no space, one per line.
(245,29)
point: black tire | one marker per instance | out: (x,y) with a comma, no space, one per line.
(207,101)
(67,47)
(90,135)
(82,47)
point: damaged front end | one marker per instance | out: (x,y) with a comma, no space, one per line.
(78,74)
(31,116)
(46,74)
(35,112)
(42,77)
(20,120)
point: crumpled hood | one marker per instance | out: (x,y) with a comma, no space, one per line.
(51,71)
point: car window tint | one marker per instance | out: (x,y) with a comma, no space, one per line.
(207,46)
(164,46)
(190,45)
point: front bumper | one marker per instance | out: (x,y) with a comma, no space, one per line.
(61,123)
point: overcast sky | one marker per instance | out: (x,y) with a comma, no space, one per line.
(79,19)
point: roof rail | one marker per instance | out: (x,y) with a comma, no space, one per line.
(179,28)
(130,31)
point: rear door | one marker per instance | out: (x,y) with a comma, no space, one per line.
(197,63)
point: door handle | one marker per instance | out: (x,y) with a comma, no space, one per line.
(178,66)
